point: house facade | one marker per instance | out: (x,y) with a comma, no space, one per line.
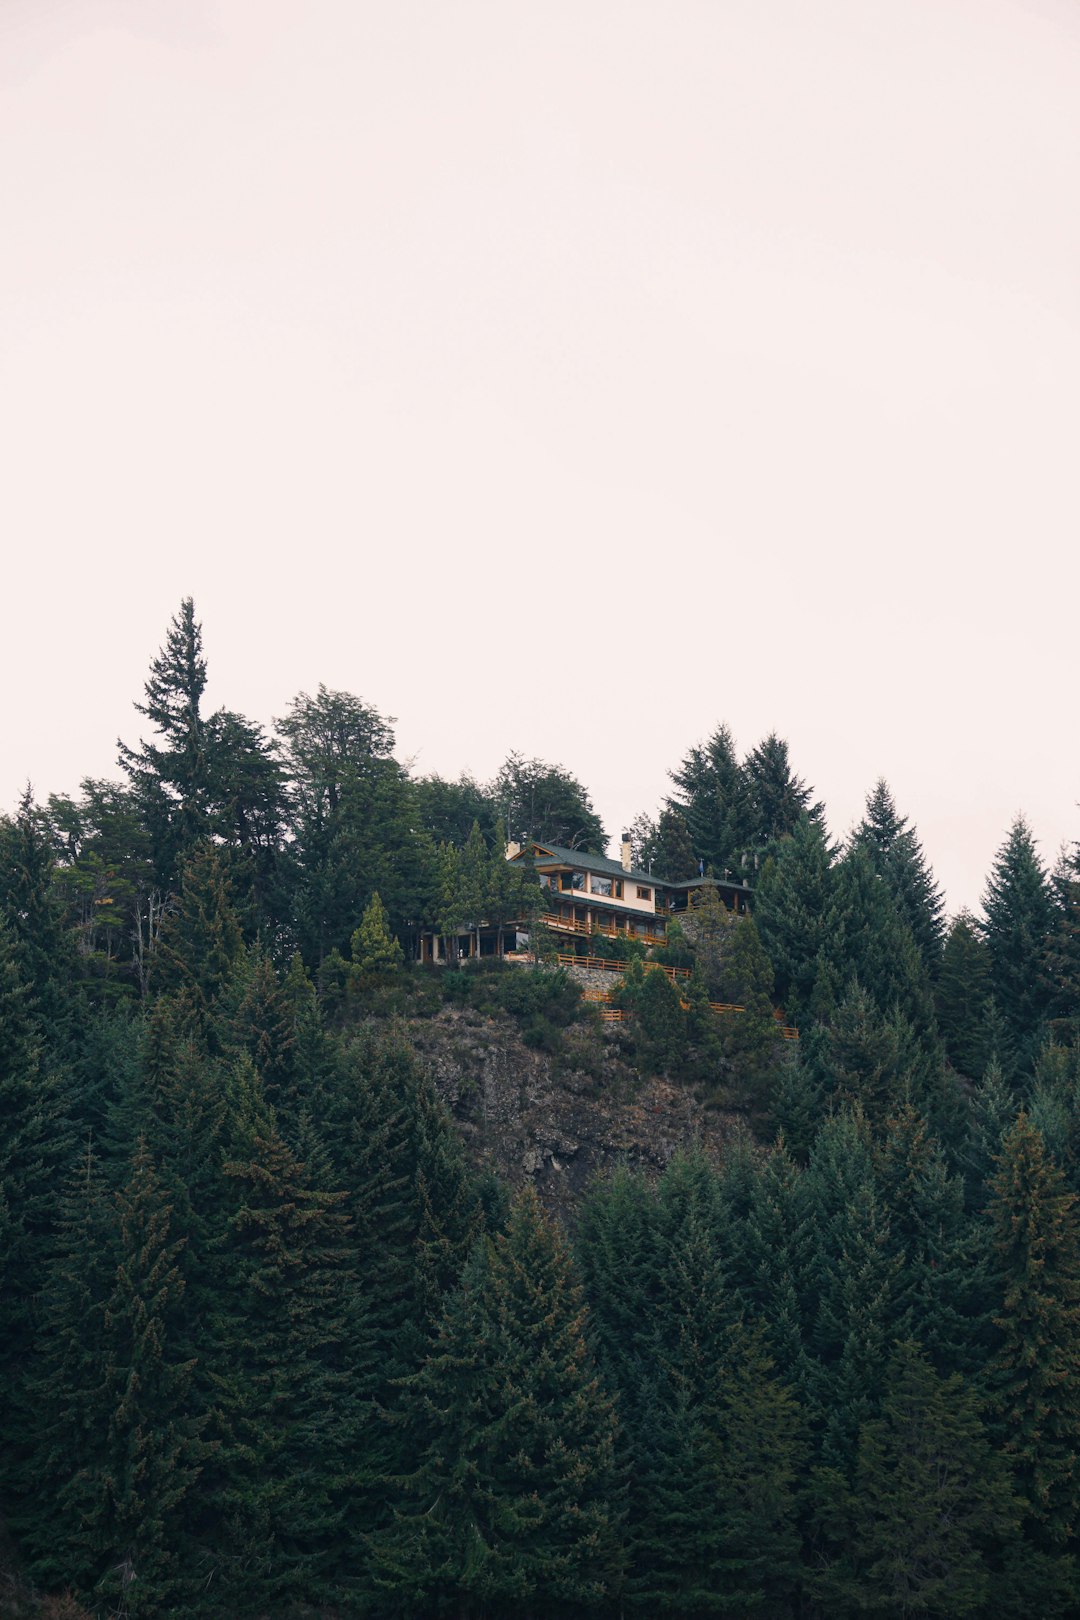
(584,896)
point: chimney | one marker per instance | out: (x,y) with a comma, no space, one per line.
(624,853)
(513,848)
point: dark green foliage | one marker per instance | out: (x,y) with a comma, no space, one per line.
(121,1453)
(1061,966)
(170,778)
(778,798)
(920,1528)
(961,996)
(712,801)
(795,914)
(874,944)
(514,1500)
(544,802)
(200,940)
(1034,1375)
(272,1346)
(30,909)
(1019,918)
(896,856)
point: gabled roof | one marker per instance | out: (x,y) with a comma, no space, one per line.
(555,854)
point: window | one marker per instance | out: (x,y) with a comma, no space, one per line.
(618,888)
(644,894)
(599,885)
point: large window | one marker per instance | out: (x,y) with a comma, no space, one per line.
(600,885)
(644,894)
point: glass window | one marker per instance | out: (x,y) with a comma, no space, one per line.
(644,894)
(600,885)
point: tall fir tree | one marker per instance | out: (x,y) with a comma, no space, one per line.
(514,1500)
(1034,1374)
(897,857)
(1018,920)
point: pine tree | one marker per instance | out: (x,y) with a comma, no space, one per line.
(1061,965)
(930,1506)
(374,950)
(961,995)
(942,1285)
(778,798)
(873,944)
(59,1494)
(286,1414)
(712,800)
(514,1500)
(121,1450)
(30,909)
(897,857)
(794,910)
(200,942)
(1034,1375)
(1019,918)
(171,778)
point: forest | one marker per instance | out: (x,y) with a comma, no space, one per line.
(275,1344)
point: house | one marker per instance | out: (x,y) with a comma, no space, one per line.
(586,895)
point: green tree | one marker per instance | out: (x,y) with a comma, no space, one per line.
(778,798)
(961,995)
(1034,1374)
(930,1506)
(120,1449)
(896,855)
(514,1499)
(545,802)
(170,778)
(712,799)
(1019,916)
(794,910)
(200,942)
(374,949)
(30,907)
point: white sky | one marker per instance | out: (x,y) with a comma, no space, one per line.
(567,376)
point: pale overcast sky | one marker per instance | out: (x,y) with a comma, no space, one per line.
(566,376)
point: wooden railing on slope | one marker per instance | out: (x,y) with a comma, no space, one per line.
(602,999)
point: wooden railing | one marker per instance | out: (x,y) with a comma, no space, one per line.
(574,925)
(602,999)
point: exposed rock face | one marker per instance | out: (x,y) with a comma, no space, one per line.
(557,1120)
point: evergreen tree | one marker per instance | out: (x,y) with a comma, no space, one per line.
(30,909)
(171,778)
(116,1393)
(930,1505)
(1061,966)
(897,857)
(942,1285)
(1034,1375)
(200,943)
(794,910)
(873,944)
(1019,916)
(514,1500)
(286,1415)
(713,802)
(778,798)
(374,950)
(961,995)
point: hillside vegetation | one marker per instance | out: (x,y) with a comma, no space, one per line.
(337,1285)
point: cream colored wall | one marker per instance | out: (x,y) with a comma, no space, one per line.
(643,908)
